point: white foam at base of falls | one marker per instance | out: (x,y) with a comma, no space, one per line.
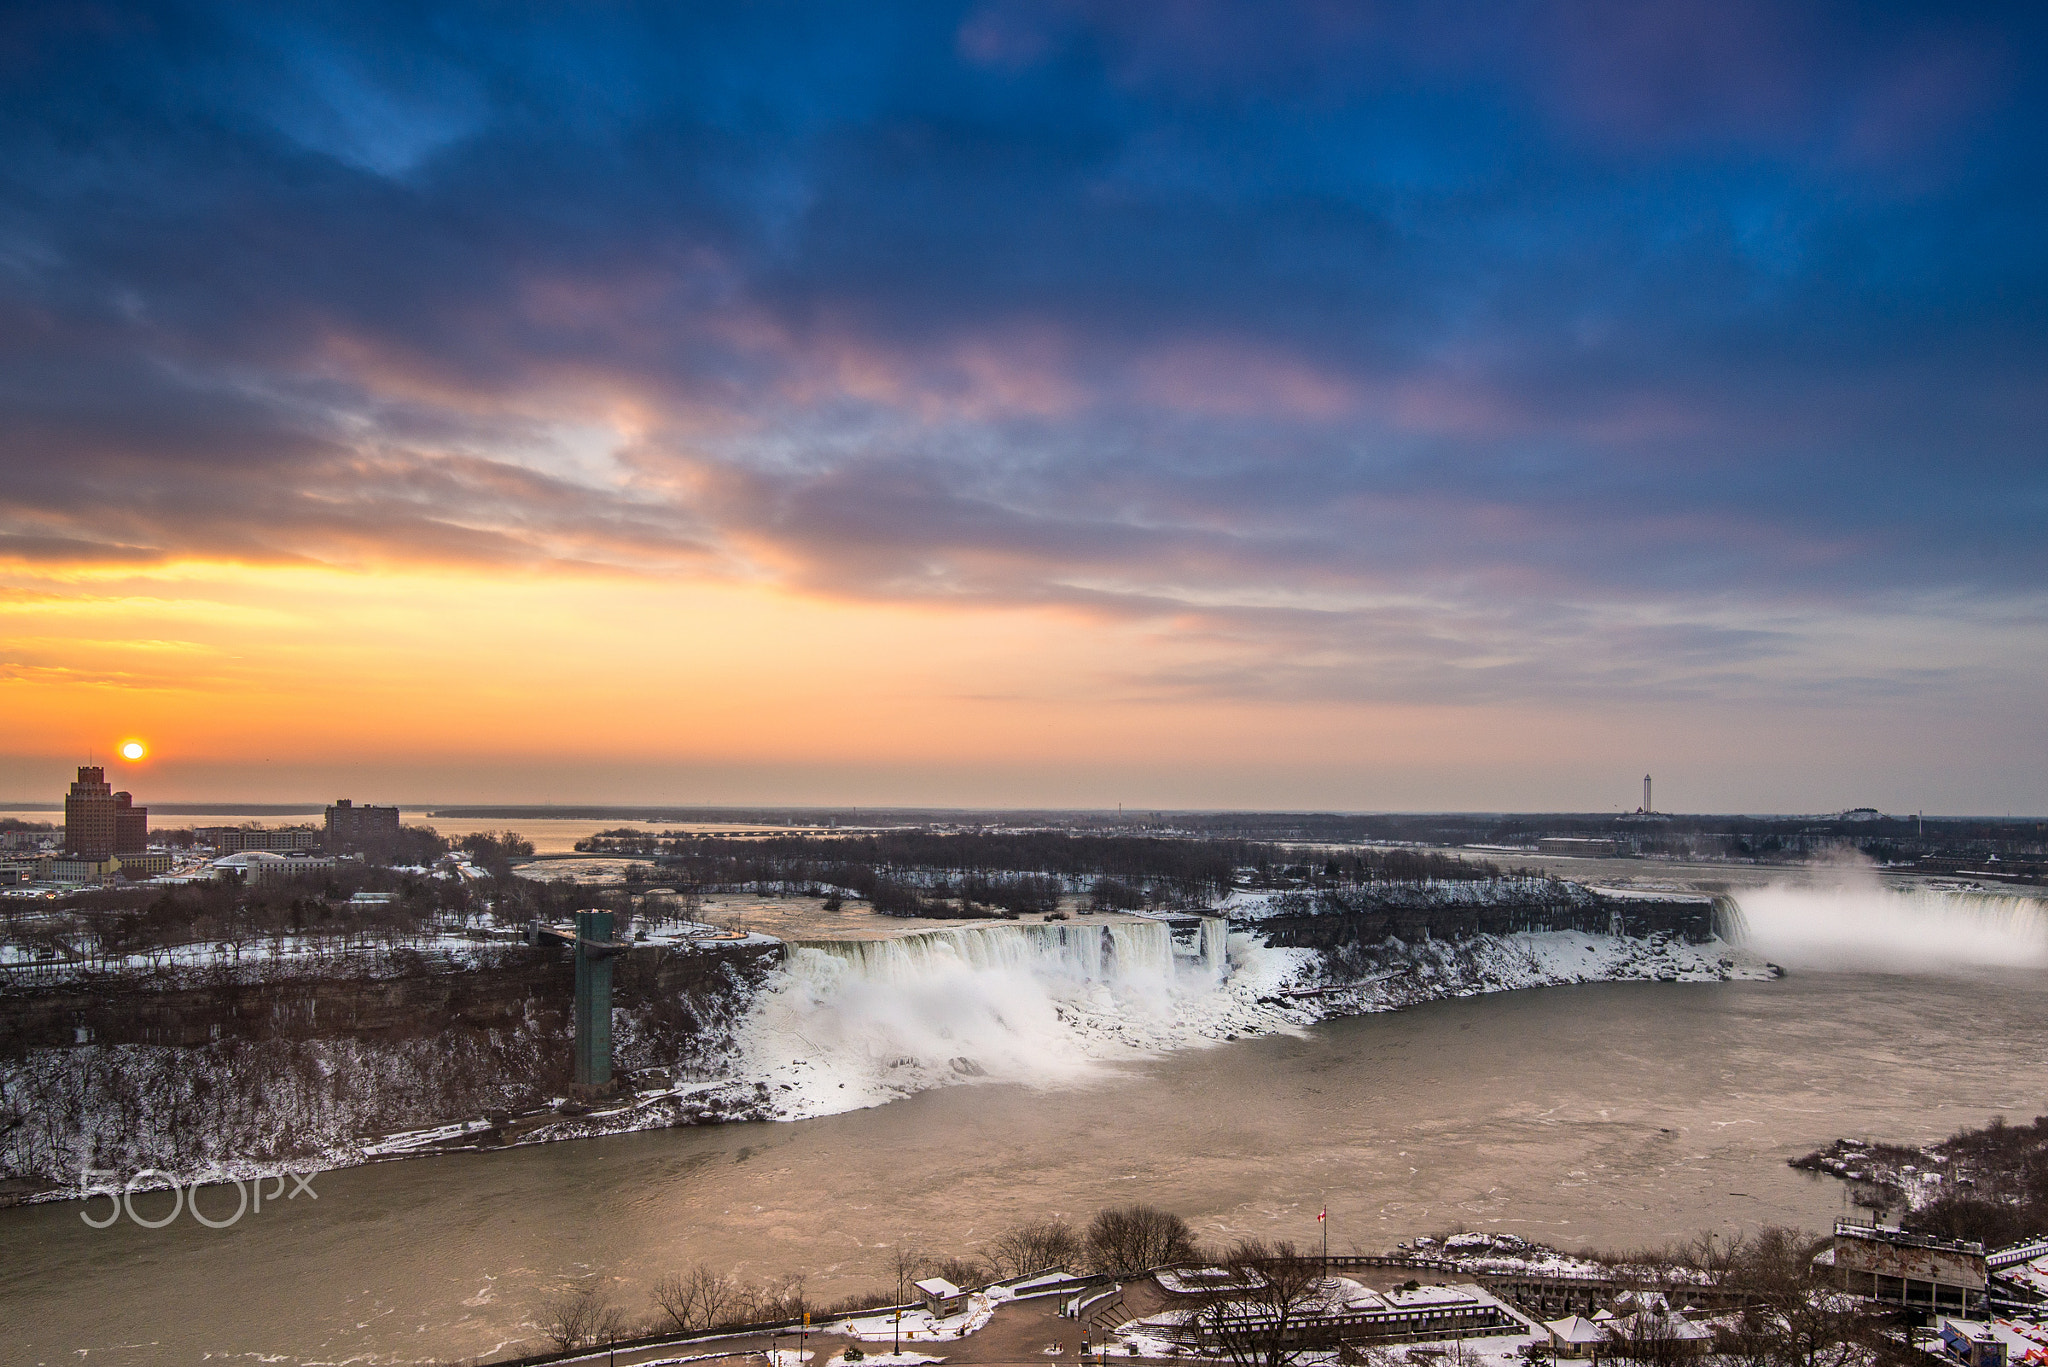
(850,1023)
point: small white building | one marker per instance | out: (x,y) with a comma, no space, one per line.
(941,1297)
(1575,1336)
(1662,1334)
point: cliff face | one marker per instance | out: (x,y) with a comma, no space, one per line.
(263,1065)
(409,996)
(1413,912)
(396,995)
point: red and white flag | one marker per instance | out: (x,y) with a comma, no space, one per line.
(1324,1215)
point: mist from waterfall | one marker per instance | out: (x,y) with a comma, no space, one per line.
(1863,924)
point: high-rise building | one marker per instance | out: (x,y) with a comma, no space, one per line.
(98,821)
(350,827)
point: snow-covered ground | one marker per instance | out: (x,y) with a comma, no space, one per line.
(920,1325)
(1428,892)
(1509,1254)
(272,959)
(279,958)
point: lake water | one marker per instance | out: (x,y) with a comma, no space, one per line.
(550,835)
(1613,1114)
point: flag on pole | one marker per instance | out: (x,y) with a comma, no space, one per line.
(1324,1215)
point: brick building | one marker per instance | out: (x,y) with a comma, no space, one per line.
(350,827)
(99,822)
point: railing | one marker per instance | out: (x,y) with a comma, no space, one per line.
(1392,1324)
(1110,1302)
(1420,1264)
(2013,1257)
(1859,1229)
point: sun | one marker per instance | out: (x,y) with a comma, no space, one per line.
(133,749)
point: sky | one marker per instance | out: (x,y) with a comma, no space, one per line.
(1295,404)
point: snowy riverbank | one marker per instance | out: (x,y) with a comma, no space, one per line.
(822,1033)
(822,1041)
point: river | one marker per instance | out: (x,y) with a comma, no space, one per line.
(1610,1115)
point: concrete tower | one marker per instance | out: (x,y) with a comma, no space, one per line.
(1646,794)
(594,951)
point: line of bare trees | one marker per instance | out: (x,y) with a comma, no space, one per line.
(913,870)
(1120,1241)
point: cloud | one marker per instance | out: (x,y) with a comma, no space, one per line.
(1376,353)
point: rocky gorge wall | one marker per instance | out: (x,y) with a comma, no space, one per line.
(265,1064)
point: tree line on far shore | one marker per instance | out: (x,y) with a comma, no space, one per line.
(932,873)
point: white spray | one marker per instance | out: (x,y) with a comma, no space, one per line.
(1860,923)
(859,1022)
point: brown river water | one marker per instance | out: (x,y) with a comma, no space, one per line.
(1610,1115)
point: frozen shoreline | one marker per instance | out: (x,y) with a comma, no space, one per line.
(817,1041)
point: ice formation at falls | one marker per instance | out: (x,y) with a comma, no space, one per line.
(857,1022)
(852,1023)
(1121,953)
(1862,924)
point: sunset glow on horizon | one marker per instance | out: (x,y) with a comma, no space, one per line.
(1029,406)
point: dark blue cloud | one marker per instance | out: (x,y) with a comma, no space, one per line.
(1725,315)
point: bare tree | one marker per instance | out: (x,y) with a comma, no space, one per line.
(581,1317)
(785,1300)
(1794,1316)
(906,1261)
(1126,1240)
(1649,1339)
(960,1271)
(1035,1248)
(698,1299)
(1266,1316)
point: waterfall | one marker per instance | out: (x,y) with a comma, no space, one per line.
(1863,924)
(1216,947)
(852,1023)
(1092,953)
(1729,922)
